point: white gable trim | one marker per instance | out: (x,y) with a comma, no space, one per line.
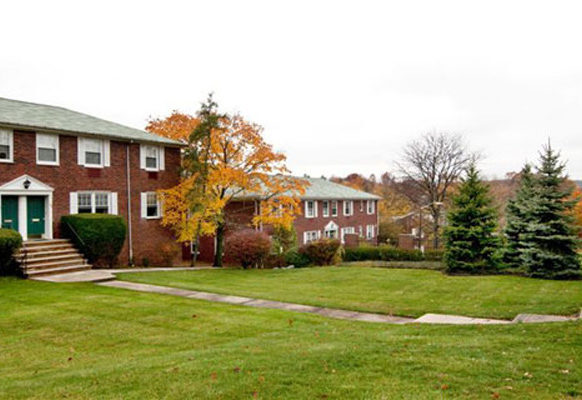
(16,186)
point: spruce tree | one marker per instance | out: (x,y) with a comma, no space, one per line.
(550,239)
(471,243)
(519,213)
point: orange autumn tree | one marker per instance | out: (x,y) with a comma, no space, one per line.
(225,157)
(577,210)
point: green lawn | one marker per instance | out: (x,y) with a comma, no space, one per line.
(401,292)
(80,341)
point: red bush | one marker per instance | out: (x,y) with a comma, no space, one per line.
(248,247)
(323,251)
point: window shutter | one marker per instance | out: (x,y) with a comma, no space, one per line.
(113,200)
(162,158)
(304,237)
(144,205)
(73,203)
(315,207)
(305,213)
(106,153)
(142,156)
(80,153)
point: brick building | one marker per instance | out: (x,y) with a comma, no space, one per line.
(329,210)
(55,162)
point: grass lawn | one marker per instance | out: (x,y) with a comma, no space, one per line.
(80,341)
(390,291)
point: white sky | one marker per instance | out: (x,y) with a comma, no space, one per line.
(339,86)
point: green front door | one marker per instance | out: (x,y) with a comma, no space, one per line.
(35,216)
(10,212)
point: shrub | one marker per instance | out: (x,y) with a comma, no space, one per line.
(389,253)
(323,251)
(248,247)
(275,261)
(169,252)
(284,239)
(297,259)
(10,242)
(99,237)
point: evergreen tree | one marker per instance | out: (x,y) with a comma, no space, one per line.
(550,238)
(471,243)
(519,213)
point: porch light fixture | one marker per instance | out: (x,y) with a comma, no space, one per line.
(26,183)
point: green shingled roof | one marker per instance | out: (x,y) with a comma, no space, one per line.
(323,189)
(17,113)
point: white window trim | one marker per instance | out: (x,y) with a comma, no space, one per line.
(314,209)
(325,207)
(57,150)
(105,153)
(144,206)
(307,234)
(371,210)
(160,160)
(112,207)
(370,231)
(11,145)
(351,202)
(334,214)
(361,205)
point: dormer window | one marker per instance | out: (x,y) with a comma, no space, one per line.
(6,145)
(151,158)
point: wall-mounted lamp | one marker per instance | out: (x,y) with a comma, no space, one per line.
(26,183)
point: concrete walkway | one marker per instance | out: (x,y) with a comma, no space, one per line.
(106,277)
(331,312)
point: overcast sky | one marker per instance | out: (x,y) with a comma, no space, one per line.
(340,87)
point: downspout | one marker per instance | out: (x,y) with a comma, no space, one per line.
(129,226)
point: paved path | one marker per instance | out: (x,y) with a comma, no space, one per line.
(330,312)
(107,278)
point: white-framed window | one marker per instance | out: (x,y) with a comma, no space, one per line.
(348,207)
(151,207)
(47,149)
(331,230)
(311,236)
(371,207)
(361,205)
(93,202)
(370,231)
(361,231)
(334,208)
(93,153)
(6,145)
(325,206)
(310,209)
(152,157)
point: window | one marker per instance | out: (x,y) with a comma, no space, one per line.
(310,236)
(310,209)
(330,230)
(326,208)
(371,206)
(6,145)
(150,206)
(93,153)
(151,157)
(47,149)
(347,231)
(361,231)
(348,207)
(84,203)
(370,232)
(334,208)
(94,202)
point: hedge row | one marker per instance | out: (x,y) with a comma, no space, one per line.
(10,242)
(99,237)
(388,253)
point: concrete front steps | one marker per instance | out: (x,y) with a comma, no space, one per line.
(50,257)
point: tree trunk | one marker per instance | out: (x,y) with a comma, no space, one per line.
(196,247)
(436,213)
(219,244)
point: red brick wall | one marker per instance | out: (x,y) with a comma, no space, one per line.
(359,218)
(68,177)
(240,215)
